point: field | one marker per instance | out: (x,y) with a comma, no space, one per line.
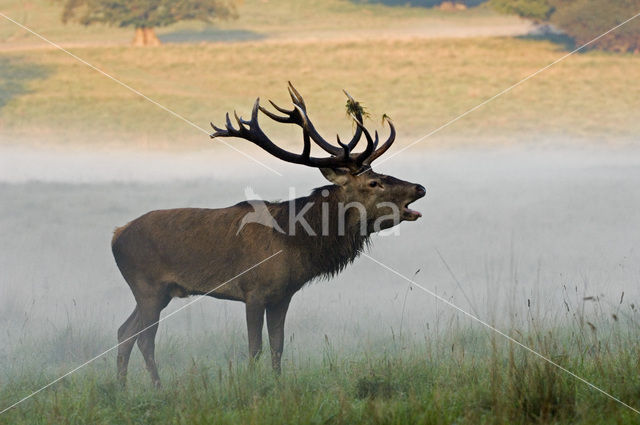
(544,256)
(283,20)
(530,221)
(421,82)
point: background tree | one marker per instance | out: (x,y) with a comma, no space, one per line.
(584,20)
(421,3)
(145,15)
(536,10)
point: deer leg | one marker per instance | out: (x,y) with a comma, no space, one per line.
(126,341)
(150,314)
(255,320)
(275,324)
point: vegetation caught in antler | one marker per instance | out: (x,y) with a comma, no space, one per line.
(342,155)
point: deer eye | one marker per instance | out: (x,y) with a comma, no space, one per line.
(373,183)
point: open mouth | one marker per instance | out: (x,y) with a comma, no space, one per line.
(409,214)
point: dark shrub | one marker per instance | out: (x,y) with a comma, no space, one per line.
(583,20)
(419,3)
(537,10)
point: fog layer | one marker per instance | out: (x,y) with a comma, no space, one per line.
(502,235)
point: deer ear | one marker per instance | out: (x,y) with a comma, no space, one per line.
(339,176)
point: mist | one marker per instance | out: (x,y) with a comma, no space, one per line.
(504,235)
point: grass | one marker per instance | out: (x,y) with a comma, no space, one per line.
(441,369)
(290,19)
(461,376)
(420,83)
(454,372)
(443,376)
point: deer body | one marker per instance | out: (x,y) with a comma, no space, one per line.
(192,251)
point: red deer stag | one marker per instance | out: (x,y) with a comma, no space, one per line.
(188,251)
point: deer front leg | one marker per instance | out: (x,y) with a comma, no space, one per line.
(275,324)
(255,320)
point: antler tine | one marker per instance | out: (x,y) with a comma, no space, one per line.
(345,148)
(306,124)
(296,97)
(254,117)
(348,96)
(254,111)
(285,120)
(306,150)
(229,125)
(371,144)
(386,145)
(356,136)
(304,120)
(281,109)
(289,119)
(217,130)
(229,130)
(240,121)
(358,115)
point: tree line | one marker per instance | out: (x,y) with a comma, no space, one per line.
(582,20)
(145,15)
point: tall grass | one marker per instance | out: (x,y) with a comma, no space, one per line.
(466,375)
(61,301)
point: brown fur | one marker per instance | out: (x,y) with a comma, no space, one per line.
(180,252)
(117,232)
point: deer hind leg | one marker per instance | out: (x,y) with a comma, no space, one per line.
(275,325)
(126,340)
(149,311)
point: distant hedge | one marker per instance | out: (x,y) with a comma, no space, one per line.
(536,10)
(420,3)
(583,20)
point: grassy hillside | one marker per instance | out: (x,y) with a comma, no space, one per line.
(386,57)
(258,19)
(51,98)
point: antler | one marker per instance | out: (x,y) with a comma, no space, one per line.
(385,146)
(341,156)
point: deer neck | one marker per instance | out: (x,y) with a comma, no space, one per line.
(327,243)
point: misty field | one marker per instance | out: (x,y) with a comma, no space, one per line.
(530,223)
(548,255)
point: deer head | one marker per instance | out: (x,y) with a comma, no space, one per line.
(383,201)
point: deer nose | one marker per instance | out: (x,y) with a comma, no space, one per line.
(420,191)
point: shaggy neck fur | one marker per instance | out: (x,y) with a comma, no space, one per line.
(327,252)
